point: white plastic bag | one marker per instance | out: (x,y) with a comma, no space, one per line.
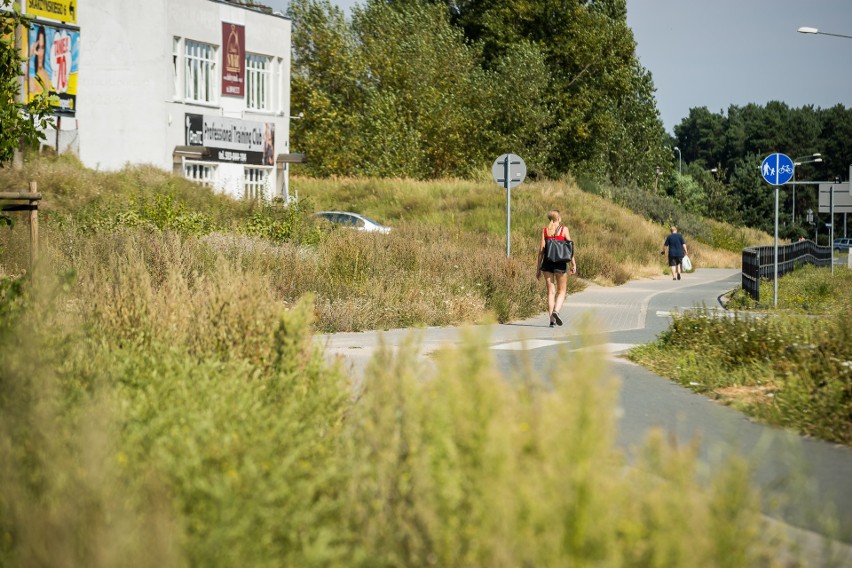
(686,264)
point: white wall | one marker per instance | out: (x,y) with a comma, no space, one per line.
(127,109)
(121,89)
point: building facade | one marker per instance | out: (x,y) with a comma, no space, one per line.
(200,87)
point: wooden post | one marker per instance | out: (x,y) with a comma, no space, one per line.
(30,197)
(33,227)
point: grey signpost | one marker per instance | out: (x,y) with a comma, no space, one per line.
(834,198)
(509,170)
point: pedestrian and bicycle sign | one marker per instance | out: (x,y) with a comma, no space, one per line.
(777,169)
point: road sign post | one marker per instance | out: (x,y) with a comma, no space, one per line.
(831,228)
(835,198)
(509,170)
(776,169)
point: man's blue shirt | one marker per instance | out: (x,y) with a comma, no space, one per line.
(675,243)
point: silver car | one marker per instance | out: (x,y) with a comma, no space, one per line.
(353,220)
(842,245)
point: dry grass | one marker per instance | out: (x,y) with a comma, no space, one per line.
(171,410)
(136,438)
(443,264)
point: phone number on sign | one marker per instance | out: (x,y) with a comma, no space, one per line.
(228,156)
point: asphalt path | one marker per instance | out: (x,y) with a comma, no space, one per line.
(807,482)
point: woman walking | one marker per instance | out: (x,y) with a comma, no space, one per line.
(555,273)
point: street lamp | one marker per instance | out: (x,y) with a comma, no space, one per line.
(807,30)
(816,157)
(679,161)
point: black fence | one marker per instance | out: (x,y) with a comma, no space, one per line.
(759,262)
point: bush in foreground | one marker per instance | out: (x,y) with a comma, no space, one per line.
(137,441)
(786,367)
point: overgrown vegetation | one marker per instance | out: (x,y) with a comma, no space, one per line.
(666,211)
(783,366)
(431,89)
(20,122)
(444,263)
(161,402)
(190,421)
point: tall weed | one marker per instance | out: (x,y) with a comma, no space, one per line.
(790,370)
(444,262)
(170,454)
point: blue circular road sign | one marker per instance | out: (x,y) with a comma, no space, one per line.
(777,169)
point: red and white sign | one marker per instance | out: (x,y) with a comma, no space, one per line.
(61,60)
(233,59)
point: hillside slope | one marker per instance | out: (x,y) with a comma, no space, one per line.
(445,262)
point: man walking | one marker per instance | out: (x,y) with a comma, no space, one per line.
(677,250)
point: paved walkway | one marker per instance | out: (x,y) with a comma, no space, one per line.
(613,309)
(635,313)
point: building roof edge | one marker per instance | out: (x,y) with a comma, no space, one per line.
(252,6)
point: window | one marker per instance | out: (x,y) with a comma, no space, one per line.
(201,172)
(258,82)
(200,66)
(279,84)
(176,66)
(256,180)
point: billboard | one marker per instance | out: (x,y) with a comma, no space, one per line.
(53,56)
(233,60)
(231,139)
(62,10)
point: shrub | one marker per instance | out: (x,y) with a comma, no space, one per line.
(793,370)
(253,450)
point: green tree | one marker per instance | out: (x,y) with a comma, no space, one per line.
(20,122)
(687,191)
(603,119)
(639,143)
(738,142)
(835,141)
(757,196)
(701,137)
(429,88)
(324,87)
(520,109)
(428,84)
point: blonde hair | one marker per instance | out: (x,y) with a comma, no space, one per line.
(674,229)
(553,216)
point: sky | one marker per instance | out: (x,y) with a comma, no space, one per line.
(734,52)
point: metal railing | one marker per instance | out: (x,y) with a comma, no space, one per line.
(759,262)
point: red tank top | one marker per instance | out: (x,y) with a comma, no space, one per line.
(558,236)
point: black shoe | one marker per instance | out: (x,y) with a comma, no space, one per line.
(678,275)
(552,324)
(557,319)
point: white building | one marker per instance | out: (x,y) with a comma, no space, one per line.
(200,87)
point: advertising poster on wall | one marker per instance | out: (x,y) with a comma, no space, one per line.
(53,56)
(232,140)
(62,10)
(234,60)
